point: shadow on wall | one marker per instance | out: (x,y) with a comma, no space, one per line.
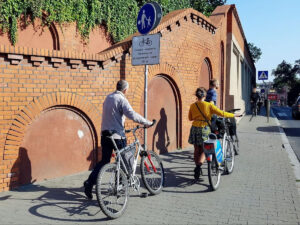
(21,170)
(94,157)
(161,131)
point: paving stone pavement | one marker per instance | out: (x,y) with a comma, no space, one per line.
(261,190)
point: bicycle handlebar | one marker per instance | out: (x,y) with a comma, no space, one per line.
(140,127)
(233,110)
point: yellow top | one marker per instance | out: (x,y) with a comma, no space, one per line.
(208,109)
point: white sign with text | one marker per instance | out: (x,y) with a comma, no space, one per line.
(145,50)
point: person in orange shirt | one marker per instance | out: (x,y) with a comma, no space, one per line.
(201,112)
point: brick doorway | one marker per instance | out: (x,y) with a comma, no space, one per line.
(59,142)
(164,106)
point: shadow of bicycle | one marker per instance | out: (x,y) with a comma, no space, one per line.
(62,204)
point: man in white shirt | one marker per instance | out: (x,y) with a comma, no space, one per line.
(115,108)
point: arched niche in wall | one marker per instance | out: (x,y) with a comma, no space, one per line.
(164,105)
(34,35)
(205,73)
(222,82)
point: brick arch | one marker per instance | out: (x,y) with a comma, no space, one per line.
(213,63)
(214,67)
(222,74)
(169,73)
(205,66)
(163,69)
(53,32)
(35,35)
(30,112)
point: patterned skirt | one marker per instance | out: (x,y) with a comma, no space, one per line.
(198,135)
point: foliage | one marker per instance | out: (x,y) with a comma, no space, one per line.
(119,16)
(294,93)
(286,75)
(206,6)
(255,52)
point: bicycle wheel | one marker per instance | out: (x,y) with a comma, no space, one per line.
(214,173)
(229,157)
(235,141)
(152,172)
(112,199)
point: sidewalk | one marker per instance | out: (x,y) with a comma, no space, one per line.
(261,190)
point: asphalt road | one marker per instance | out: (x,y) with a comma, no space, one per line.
(290,126)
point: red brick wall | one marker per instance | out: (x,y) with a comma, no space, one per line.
(32,80)
(58,37)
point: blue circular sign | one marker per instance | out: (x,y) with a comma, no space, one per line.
(149,17)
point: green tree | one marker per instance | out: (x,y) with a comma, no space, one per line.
(294,93)
(206,6)
(286,75)
(255,52)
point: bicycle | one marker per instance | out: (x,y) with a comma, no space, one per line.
(219,152)
(232,132)
(115,179)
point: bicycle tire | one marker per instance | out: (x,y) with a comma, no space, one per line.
(236,146)
(229,157)
(103,186)
(154,184)
(214,173)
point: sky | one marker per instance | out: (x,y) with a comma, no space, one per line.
(274,27)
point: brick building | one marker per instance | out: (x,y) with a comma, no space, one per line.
(52,87)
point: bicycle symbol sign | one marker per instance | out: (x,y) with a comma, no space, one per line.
(145,50)
(145,41)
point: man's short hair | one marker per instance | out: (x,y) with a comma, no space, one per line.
(122,85)
(213,82)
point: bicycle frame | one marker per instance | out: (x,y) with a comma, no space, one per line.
(138,152)
(211,151)
(119,159)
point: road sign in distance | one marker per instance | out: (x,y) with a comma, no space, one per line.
(272,96)
(145,50)
(262,75)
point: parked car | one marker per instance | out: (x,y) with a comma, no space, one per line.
(296,109)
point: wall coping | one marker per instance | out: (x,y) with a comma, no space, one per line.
(115,51)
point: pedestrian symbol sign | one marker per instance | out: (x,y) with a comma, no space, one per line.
(149,17)
(262,75)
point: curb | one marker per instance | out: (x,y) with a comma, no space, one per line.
(286,145)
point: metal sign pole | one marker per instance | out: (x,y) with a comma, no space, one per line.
(145,103)
(145,48)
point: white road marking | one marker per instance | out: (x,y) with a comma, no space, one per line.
(293,158)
